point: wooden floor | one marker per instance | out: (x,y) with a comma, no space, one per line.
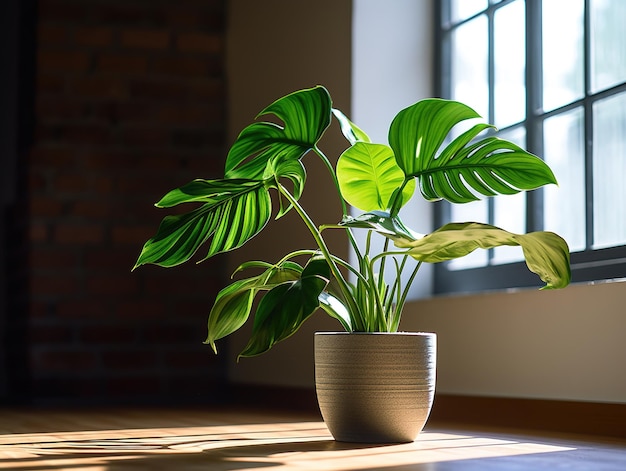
(231,440)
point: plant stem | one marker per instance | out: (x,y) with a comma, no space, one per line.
(353,308)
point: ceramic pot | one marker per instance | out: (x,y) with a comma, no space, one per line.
(375,387)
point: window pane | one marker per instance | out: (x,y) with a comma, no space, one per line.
(469,65)
(608,43)
(564,205)
(510,211)
(509,60)
(475,211)
(609,170)
(563,47)
(462,9)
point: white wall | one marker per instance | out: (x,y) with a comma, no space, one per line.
(566,344)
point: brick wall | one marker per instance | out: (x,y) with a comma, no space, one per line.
(130,98)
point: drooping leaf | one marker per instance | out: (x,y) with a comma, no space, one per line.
(285,307)
(464,168)
(179,236)
(351,131)
(546,253)
(369,175)
(233,303)
(306,114)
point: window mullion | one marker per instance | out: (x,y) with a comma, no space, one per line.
(534,105)
(588,117)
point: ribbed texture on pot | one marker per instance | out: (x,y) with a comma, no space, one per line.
(375,387)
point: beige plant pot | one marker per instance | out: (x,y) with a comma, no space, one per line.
(375,387)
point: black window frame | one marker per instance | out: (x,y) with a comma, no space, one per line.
(587,265)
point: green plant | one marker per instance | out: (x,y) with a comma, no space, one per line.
(375,178)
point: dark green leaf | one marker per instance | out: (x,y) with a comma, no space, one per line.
(463,170)
(285,307)
(233,304)
(179,237)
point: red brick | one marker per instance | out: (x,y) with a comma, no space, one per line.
(62,10)
(181,66)
(142,308)
(52,157)
(93,36)
(77,308)
(149,137)
(134,235)
(130,359)
(50,84)
(63,61)
(78,233)
(108,334)
(90,210)
(122,63)
(64,360)
(38,232)
(74,183)
(59,108)
(50,334)
(123,283)
(52,285)
(200,42)
(133,385)
(158,90)
(52,34)
(112,258)
(187,359)
(44,206)
(99,87)
(47,259)
(145,39)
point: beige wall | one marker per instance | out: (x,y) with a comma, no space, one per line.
(566,344)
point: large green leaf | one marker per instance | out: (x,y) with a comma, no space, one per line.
(306,114)
(546,253)
(465,168)
(233,303)
(285,307)
(232,216)
(369,175)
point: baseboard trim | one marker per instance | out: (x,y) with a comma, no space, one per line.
(575,417)
(542,415)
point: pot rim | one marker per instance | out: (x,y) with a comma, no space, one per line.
(402,333)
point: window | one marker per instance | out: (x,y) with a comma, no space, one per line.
(551,75)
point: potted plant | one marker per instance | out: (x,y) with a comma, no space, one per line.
(377,179)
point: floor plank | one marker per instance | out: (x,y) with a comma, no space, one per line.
(180,439)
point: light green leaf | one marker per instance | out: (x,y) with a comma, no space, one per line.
(305,114)
(368,176)
(546,253)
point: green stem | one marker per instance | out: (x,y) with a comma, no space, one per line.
(353,308)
